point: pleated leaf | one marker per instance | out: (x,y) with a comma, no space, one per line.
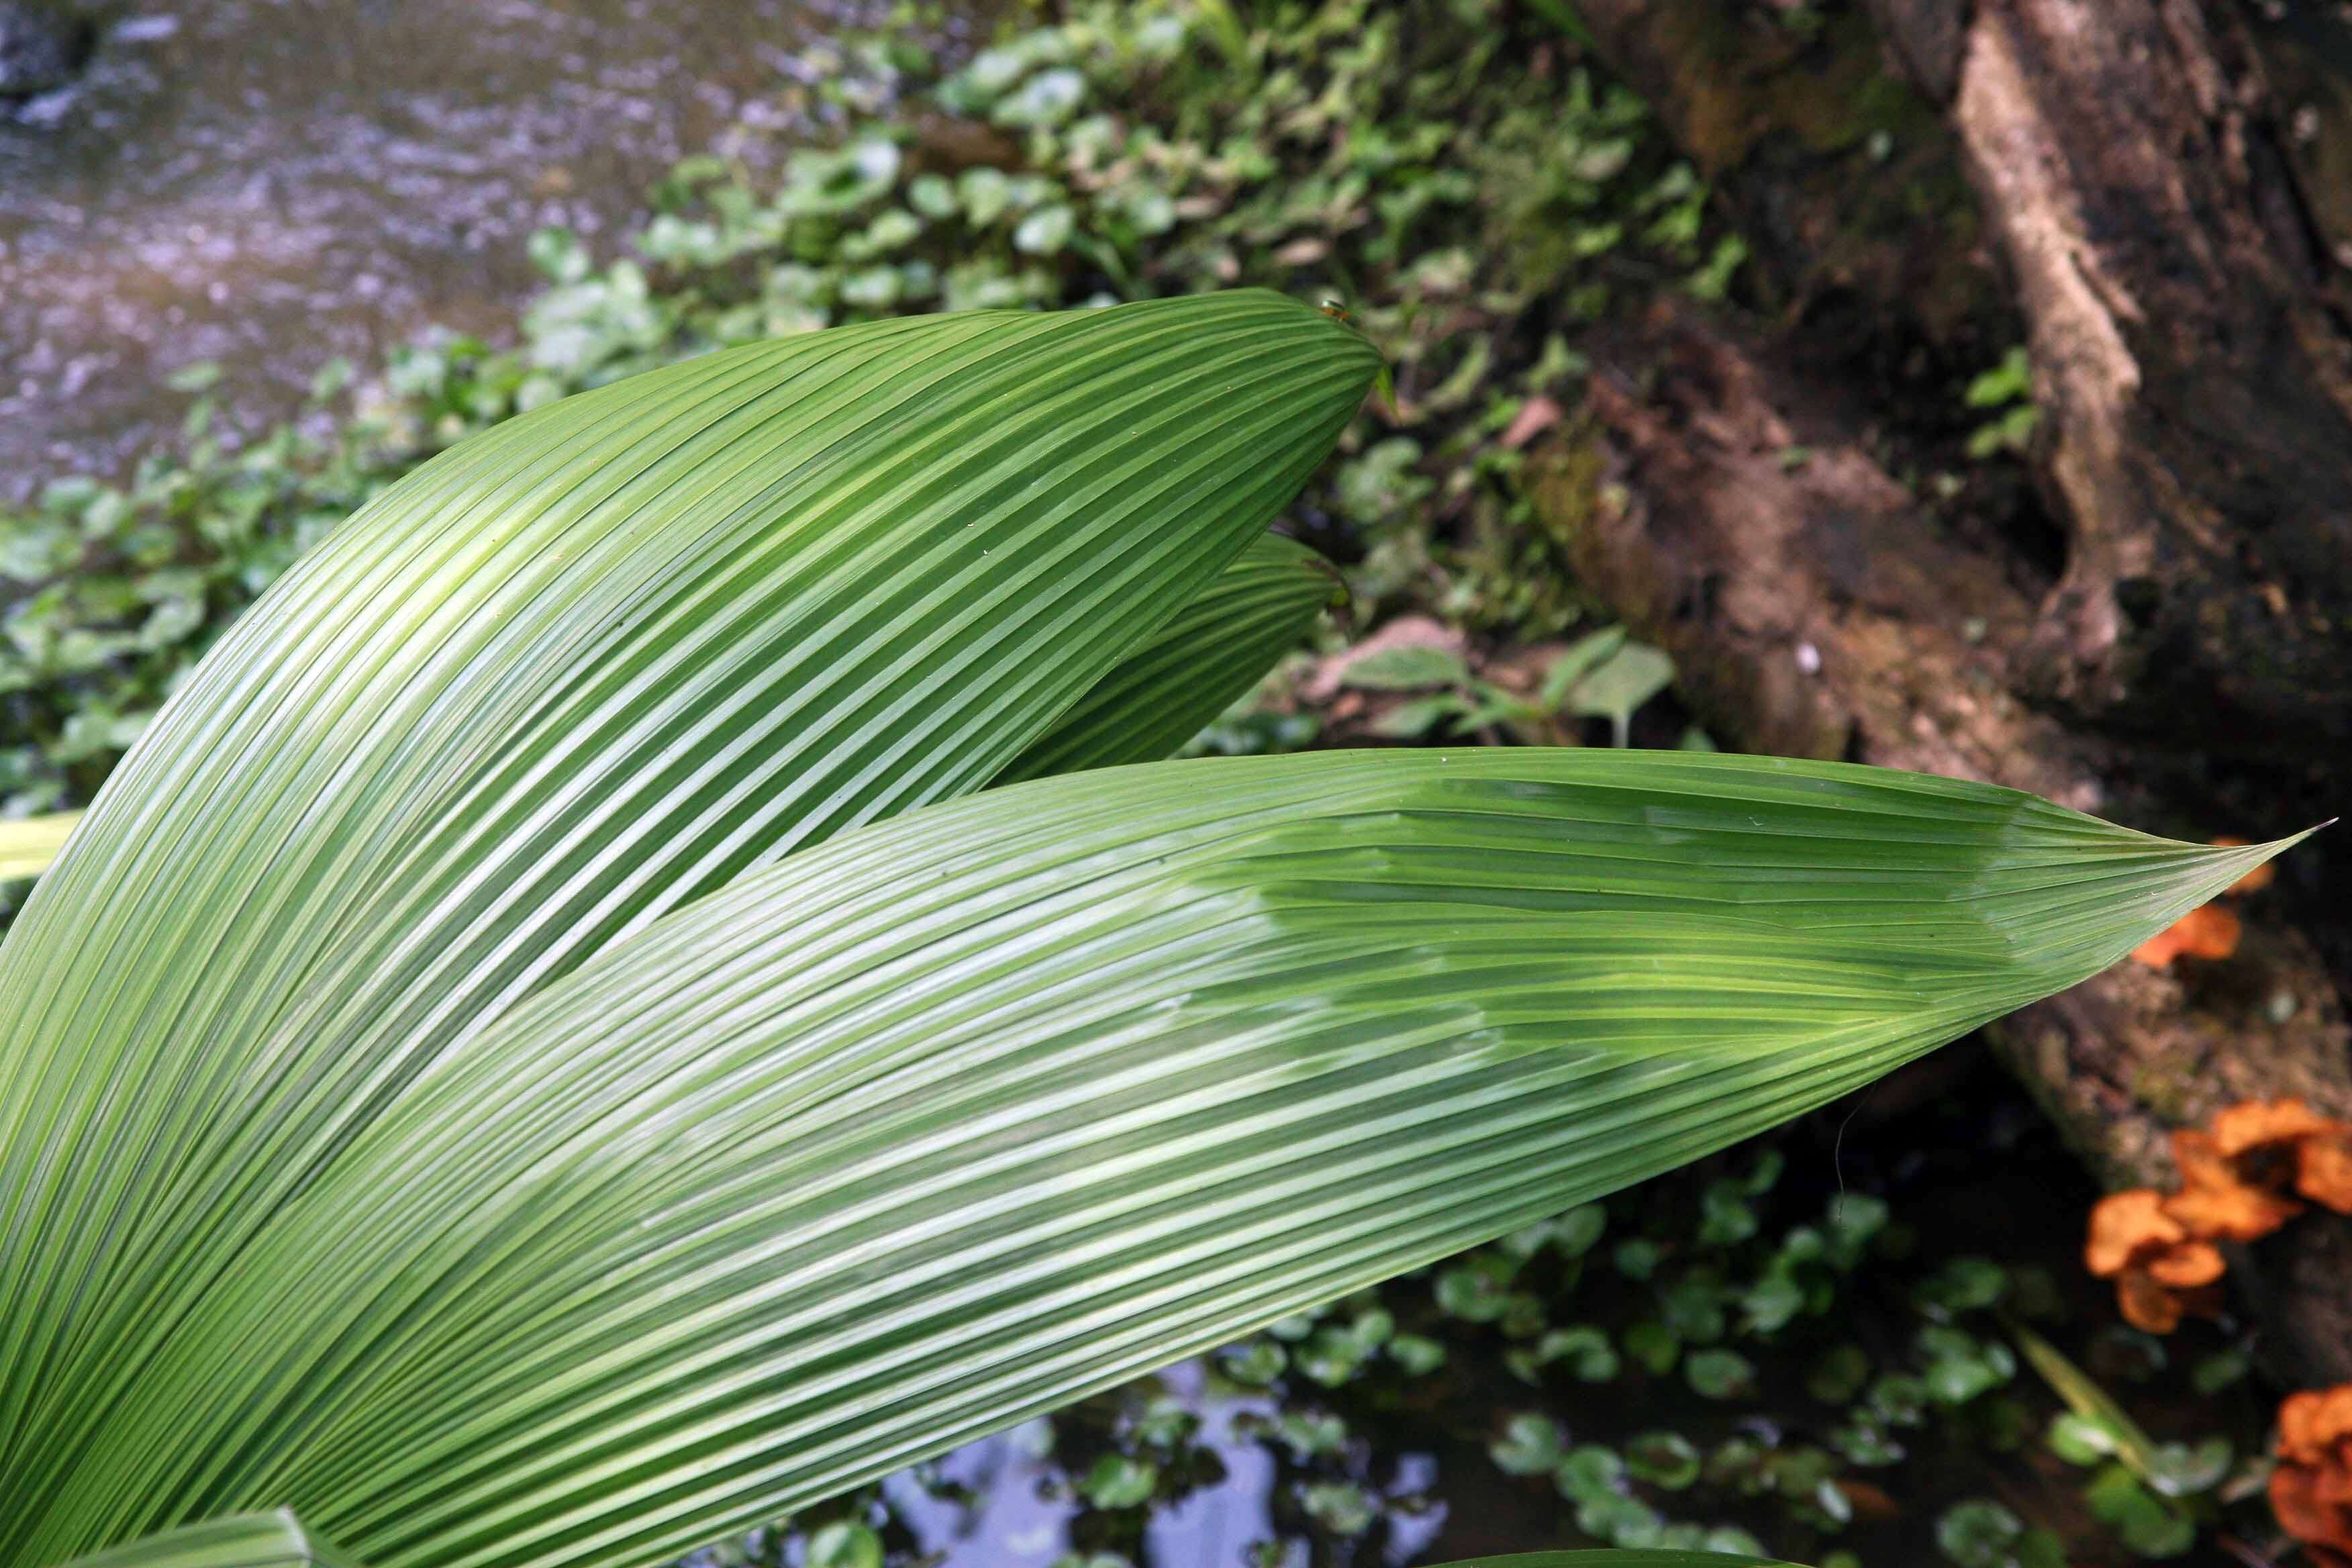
(1211,654)
(29,844)
(240,1540)
(566,676)
(958,1117)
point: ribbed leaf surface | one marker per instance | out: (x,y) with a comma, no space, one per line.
(562,680)
(960,1116)
(1211,654)
(241,1540)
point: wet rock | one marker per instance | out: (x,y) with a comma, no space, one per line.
(44,44)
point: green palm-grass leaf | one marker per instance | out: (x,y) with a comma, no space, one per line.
(240,1541)
(1211,654)
(567,676)
(960,1116)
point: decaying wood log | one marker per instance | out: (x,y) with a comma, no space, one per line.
(2185,314)
(2191,360)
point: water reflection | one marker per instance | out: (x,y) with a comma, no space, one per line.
(1006,1501)
(271,182)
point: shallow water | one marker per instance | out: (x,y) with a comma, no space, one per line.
(269,184)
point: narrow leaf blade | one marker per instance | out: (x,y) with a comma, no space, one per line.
(961,1116)
(240,1540)
(1209,655)
(570,675)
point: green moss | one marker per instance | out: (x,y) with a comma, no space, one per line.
(1565,486)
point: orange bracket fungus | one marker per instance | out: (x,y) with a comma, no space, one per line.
(2208,931)
(2159,1247)
(2161,1270)
(2311,1489)
(2285,1143)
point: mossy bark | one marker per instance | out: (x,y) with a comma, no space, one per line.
(2168,265)
(1844,179)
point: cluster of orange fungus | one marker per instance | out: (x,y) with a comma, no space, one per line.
(2220,1197)
(2312,1151)
(2159,1269)
(2236,1176)
(2311,1490)
(2209,931)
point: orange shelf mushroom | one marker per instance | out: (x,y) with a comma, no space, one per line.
(2286,1141)
(2159,1248)
(2161,1271)
(2209,931)
(2311,1487)
(2217,1200)
(2254,1124)
(2323,1169)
